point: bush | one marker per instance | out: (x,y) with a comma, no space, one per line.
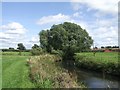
(36,51)
(57,52)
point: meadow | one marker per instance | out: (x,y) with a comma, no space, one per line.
(107,62)
(15,72)
(102,56)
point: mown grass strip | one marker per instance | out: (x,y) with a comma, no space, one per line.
(15,72)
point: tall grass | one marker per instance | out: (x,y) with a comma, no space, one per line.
(45,72)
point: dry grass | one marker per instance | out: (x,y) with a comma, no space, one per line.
(45,72)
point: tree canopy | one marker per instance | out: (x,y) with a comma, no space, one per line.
(21,46)
(68,37)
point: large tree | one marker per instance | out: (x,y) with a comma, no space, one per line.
(67,37)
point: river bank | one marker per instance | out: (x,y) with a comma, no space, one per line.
(107,63)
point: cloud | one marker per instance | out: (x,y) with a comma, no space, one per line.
(14,33)
(100,5)
(104,34)
(11,34)
(35,39)
(13,28)
(78,15)
(53,19)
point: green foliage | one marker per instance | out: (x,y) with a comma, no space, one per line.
(67,37)
(36,50)
(57,52)
(42,83)
(21,46)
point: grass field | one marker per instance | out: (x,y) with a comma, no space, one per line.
(15,73)
(101,56)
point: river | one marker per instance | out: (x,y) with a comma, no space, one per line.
(97,80)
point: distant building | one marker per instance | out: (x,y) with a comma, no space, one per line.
(107,50)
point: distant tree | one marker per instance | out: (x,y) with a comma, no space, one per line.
(108,47)
(102,47)
(21,47)
(115,47)
(96,48)
(67,37)
(11,48)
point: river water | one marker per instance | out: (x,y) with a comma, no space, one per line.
(97,80)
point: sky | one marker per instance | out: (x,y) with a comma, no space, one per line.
(22,21)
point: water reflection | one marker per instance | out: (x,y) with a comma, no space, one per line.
(97,80)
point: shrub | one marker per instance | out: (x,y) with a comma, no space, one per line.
(36,51)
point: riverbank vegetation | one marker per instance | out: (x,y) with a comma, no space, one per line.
(46,72)
(105,62)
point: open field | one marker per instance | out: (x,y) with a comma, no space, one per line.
(102,56)
(102,61)
(15,73)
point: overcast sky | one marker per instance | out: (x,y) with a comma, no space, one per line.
(22,21)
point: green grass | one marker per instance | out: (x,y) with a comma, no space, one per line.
(15,73)
(101,56)
(16,53)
